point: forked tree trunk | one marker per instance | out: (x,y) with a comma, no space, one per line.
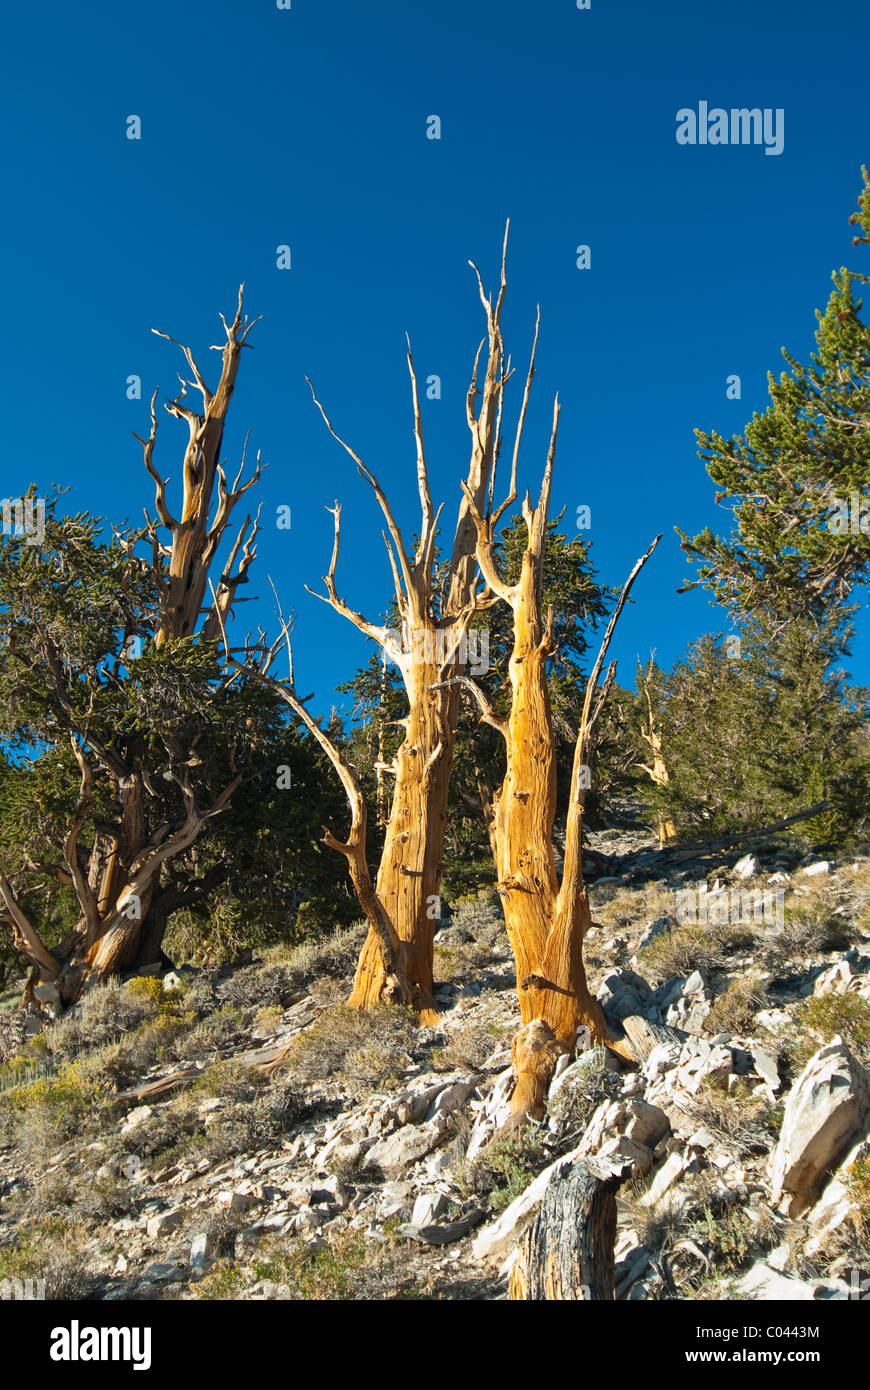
(429,651)
(546,920)
(124,905)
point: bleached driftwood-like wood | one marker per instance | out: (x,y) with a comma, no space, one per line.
(566,1253)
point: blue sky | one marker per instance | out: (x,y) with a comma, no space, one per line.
(263,127)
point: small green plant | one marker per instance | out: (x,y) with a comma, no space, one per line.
(66,1100)
(224,1283)
(573,1103)
(505,1167)
(821,1019)
(858,1183)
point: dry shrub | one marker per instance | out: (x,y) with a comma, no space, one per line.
(735,1009)
(50,1250)
(368,1046)
(740,1121)
(809,928)
(683,949)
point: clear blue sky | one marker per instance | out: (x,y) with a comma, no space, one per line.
(307,127)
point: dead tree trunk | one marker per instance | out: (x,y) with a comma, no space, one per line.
(392,950)
(547,921)
(430,647)
(658,773)
(566,1253)
(117,876)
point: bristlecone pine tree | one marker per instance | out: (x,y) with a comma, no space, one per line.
(797,480)
(763,730)
(109,675)
(650,732)
(579,603)
(435,618)
(547,920)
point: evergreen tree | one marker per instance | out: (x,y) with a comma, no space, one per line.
(756,732)
(798,479)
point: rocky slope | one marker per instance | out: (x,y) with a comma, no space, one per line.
(240,1134)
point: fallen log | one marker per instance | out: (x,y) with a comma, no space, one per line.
(676,854)
(266,1060)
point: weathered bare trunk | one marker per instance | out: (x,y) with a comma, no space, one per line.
(547,921)
(123,912)
(566,1253)
(659,774)
(545,925)
(409,876)
(429,652)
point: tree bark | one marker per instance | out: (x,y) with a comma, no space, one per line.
(409,876)
(546,920)
(643,1036)
(428,652)
(566,1253)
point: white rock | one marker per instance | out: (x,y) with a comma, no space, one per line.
(427,1208)
(663,1058)
(234,1202)
(763,1283)
(747,867)
(407,1145)
(836,1204)
(835,980)
(670,1171)
(628,1151)
(137,1116)
(821,866)
(827,1110)
(164,1222)
(647,1124)
(492,1114)
(765,1066)
(203,1251)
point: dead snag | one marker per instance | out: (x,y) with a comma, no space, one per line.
(547,920)
(429,647)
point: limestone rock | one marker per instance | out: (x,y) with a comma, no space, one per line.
(399,1150)
(827,1110)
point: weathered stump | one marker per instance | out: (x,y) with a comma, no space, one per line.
(642,1036)
(567,1251)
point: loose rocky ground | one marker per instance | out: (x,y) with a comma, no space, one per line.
(292,1148)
